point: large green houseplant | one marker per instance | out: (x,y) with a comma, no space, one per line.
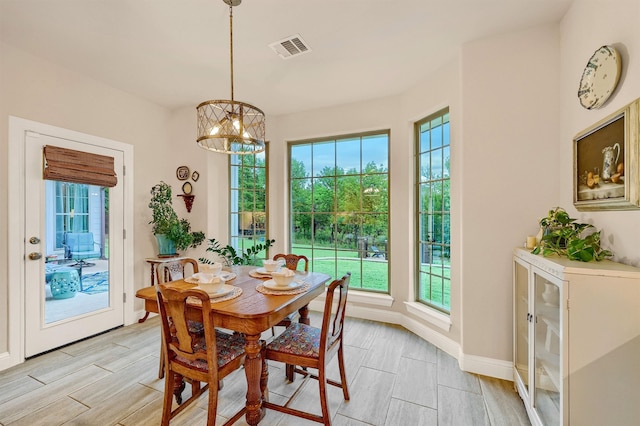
(563,236)
(166,223)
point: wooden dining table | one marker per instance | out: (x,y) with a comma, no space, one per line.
(251,313)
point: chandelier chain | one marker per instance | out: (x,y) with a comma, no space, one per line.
(231,45)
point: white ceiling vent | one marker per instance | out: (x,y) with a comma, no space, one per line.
(291,46)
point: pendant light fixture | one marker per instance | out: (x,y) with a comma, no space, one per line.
(229,126)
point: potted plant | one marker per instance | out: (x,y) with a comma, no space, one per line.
(171,232)
(230,255)
(563,236)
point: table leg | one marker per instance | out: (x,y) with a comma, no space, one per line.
(254,372)
(144,318)
(304,315)
(153,283)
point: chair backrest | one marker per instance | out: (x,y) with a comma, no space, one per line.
(292,260)
(180,340)
(175,270)
(80,241)
(333,317)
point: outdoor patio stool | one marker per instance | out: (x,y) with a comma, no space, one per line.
(64,283)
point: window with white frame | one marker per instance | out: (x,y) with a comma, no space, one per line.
(433,216)
(248,200)
(339,206)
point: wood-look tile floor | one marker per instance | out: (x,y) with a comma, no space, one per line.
(395,379)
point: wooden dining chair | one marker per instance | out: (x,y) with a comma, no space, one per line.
(175,270)
(310,347)
(291,262)
(200,357)
(171,271)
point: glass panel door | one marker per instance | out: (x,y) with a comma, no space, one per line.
(547,350)
(521,336)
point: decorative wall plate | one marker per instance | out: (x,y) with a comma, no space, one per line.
(187,188)
(600,77)
(182,173)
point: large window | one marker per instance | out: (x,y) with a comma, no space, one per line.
(248,200)
(433,211)
(339,201)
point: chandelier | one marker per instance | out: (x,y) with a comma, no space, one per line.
(229,126)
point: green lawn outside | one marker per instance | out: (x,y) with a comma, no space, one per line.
(371,274)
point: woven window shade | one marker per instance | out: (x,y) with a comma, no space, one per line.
(79,167)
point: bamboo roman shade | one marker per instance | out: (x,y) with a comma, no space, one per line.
(69,165)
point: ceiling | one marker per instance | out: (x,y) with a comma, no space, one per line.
(176,52)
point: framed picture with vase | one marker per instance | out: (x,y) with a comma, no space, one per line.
(605,162)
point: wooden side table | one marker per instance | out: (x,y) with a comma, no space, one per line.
(154,262)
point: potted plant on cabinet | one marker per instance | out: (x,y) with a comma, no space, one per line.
(563,236)
(171,232)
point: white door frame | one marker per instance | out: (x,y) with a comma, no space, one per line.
(16,224)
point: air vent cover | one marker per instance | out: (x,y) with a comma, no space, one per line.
(291,46)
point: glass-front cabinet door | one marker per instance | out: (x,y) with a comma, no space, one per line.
(521,315)
(547,347)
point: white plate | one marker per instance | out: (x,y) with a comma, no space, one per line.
(271,285)
(263,271)
(224,276)
(227,276)
(195,278)
(600,77)
(222,291)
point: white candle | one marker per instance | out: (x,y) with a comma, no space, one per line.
(531,241)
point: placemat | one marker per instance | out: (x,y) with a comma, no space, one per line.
(255,274)
(237,291)
(262,289)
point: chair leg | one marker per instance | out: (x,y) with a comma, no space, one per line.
(213,404)
(290,373)
(343,374)
(161,368)
(168,400)
(324,404)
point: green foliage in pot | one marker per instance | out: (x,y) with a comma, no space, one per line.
(563,236)
(165,221)
(230,255)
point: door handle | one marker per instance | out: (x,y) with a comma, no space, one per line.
(34,240)
(35,256)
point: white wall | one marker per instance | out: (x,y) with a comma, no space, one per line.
(510,123)
(37,90)
(587,26)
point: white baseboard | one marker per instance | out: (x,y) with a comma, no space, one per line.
(486,366)
(8,361)
(470,363)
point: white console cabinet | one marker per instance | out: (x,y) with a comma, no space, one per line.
(576,340)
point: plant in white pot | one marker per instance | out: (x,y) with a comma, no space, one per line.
(171,232)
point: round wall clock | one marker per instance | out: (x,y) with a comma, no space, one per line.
(600,77)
